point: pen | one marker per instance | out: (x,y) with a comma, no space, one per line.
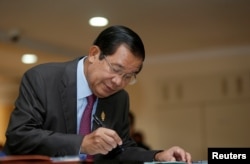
(98,121)
(101,124)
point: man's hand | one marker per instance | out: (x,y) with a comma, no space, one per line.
(100,141)
(173,154)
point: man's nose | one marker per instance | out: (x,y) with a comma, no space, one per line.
(117,79)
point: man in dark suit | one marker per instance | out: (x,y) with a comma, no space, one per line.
(52,98)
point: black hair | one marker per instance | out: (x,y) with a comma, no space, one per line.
(112,37)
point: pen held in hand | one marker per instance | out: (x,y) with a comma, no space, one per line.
(101,124)
(98,121)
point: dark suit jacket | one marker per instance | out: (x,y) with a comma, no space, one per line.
(44,119)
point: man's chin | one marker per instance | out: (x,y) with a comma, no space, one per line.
(104,94)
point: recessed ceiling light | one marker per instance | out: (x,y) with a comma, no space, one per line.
(98,21)
(29,58)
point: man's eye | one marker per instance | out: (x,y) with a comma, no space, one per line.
(116,70)
(128,76)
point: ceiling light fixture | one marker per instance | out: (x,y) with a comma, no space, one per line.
(29,58)
(98,21)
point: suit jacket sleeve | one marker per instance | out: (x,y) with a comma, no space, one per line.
(116,108)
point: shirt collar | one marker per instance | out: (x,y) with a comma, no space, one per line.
(83,89)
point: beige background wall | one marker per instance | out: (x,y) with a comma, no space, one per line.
(195,101)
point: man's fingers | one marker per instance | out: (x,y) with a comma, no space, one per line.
(112,137)
(106,139)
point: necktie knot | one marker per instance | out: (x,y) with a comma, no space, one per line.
(91,99)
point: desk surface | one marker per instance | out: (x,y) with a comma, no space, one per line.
(35,159)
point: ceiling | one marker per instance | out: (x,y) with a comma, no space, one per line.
(58,29)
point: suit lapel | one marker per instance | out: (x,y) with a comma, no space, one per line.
(68,94)
(99,109)
(105,106)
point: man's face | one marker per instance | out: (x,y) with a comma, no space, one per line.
(107,76)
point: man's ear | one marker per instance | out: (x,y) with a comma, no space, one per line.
(94,53)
